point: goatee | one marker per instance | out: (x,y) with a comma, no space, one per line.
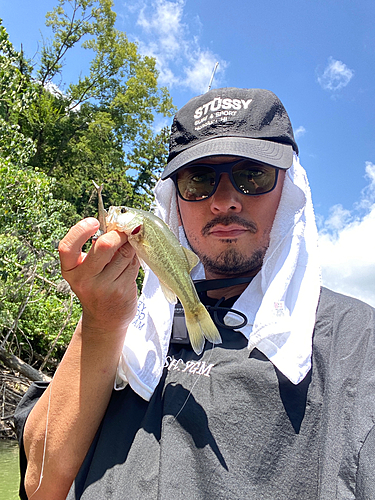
(231,262)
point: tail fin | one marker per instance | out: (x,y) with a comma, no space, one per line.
(201,326)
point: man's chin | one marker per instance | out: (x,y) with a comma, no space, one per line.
(233,263)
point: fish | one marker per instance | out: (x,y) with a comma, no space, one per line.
(158,248)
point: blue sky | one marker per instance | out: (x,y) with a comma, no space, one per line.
(318,56)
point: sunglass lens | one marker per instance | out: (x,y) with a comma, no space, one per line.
(253,179)
(196,183)
(199,182)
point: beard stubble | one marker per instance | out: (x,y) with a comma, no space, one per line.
(231,262)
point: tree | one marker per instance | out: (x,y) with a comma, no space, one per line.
(35,303)
(54,138)
(37,308)
(17,94)
(99,126)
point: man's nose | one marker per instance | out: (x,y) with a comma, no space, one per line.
(226,198)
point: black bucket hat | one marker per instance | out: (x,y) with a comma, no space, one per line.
(242,122)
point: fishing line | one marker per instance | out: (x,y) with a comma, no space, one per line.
(195,383)
(202,286)
(45,441)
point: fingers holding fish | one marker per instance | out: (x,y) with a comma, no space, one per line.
(123,260)
(104,278)
(109,299)
(70,247)
(104,249)
(100,254)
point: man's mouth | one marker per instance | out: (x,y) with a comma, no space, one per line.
(228,226)
(231,231)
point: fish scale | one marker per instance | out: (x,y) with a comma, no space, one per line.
(165,261)
(157,247)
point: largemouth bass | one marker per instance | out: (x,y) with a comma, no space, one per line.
(157,246)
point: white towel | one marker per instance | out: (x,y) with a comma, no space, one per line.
(280,303)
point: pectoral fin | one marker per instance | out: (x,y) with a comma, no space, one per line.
(168,293)
(192,258)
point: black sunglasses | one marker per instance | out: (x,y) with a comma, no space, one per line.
(199,181)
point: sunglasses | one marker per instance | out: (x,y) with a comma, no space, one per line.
(200,180)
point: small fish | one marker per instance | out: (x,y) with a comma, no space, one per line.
(157,246)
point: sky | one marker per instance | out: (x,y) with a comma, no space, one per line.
(317,56)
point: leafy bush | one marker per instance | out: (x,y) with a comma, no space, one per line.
(52,143)
(35,303)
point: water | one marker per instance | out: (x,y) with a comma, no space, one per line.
(9,471)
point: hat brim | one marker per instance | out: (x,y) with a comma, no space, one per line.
(275,154)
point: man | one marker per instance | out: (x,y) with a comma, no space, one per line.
(282,409)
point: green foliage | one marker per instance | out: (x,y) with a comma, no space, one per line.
(14,145)
(17,94)
(34,300)
(98,128)
(36,305)
(53,140)
(16,91)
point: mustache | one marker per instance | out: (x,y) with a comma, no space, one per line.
(227,220)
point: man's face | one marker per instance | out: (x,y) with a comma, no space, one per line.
(230,231)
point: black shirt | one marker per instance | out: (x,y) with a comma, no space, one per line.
(228,425)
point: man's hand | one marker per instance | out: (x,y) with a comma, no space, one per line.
(104,278)
(104,281)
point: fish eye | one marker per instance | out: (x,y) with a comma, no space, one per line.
(123,210)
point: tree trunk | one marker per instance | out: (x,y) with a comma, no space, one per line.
(17,364)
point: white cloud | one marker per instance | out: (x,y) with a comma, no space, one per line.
(165,23)
(335,76)
(53,89)
(199,70)
(181,60)
(299,132)
(368,194)
(347,245)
